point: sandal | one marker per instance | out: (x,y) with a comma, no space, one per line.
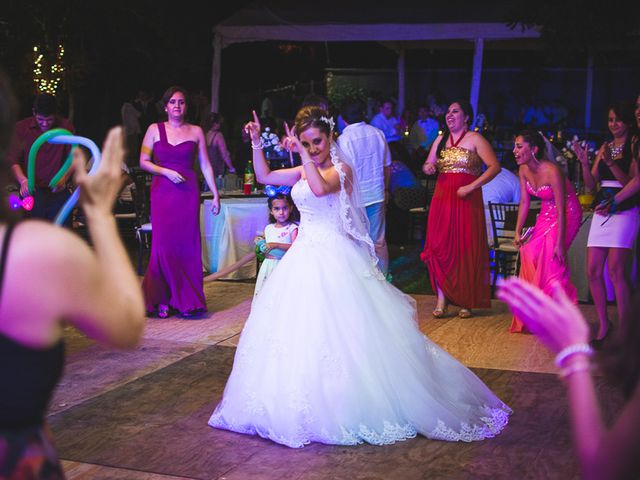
(440,312)
(465,313)
(194,313)
(163,311)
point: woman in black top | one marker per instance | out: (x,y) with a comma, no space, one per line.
(611,237)
(48,274)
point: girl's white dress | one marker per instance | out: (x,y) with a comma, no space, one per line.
(273,234)
(332,353)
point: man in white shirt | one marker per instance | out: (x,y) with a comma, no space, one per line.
(386,121)
(424,131)
(365,145)
(503,188)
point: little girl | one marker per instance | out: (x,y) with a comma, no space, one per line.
(278,235)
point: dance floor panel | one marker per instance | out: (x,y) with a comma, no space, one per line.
(142,414)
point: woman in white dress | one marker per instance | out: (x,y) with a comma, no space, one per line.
(612,237)
(350,364)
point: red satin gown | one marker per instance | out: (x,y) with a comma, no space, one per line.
(456,248)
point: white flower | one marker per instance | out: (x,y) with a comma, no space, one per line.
(329,121)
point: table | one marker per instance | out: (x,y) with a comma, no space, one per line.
(577,256)
(229,236)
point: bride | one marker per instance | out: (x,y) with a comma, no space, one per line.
(331,352)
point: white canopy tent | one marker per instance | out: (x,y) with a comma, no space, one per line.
(404,28)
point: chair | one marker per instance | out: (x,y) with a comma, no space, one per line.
(505,253)
(418,215)
(141,201)
(125,213)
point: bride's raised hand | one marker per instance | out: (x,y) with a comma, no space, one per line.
(291,142)
(254,129)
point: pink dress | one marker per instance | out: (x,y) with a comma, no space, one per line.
(537,265)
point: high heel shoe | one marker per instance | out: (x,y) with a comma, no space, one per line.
(163,311)
(465,313)
(440,312)
(598,343)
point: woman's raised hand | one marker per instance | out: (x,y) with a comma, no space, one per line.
(291,142)
(581,151)
(253,128)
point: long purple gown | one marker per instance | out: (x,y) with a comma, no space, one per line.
(174,274)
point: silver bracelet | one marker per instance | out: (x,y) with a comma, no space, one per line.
(257,147)
(572,350)
(580,367)
(307,163)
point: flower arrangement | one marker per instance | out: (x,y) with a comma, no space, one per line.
(270,142)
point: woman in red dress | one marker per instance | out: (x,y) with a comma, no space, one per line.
(456,249)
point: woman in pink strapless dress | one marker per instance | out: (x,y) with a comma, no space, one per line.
(543,254)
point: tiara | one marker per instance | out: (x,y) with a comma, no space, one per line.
(329,121)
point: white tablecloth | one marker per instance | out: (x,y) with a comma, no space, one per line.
(229,236)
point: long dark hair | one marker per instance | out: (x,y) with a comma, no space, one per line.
(466,107)
(625,112)
(621,359)
(211,119)
(534,139)
(294,215)
(8,109)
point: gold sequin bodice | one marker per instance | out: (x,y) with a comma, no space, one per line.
(459,160)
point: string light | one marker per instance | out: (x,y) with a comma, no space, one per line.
(47,80)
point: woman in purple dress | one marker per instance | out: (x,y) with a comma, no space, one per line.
(174,276)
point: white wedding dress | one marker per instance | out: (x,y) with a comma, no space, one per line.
(332,353)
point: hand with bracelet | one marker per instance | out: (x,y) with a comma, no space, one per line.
(602,451)
(607,207)
(254,130)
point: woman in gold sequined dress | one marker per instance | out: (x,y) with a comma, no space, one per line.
(456,252)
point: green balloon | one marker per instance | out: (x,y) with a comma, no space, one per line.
(33,152)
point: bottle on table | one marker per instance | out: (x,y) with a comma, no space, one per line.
(249,178)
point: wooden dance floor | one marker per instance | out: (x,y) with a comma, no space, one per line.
(142,414)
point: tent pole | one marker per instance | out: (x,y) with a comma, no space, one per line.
(401,81)
(216,72)
(477,74)
(588,94)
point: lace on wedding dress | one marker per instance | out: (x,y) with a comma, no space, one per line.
(352,214)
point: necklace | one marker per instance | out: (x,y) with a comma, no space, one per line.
(457,142)
(615,151)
